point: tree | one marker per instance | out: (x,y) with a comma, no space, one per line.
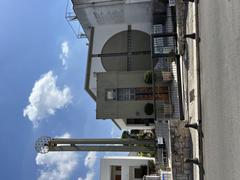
(140,135)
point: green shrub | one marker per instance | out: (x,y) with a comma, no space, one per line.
(151,165)
(149,109)
(148,77)
(146,154)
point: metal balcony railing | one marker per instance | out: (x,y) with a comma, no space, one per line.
(164,57)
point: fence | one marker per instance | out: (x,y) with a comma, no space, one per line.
(164,59)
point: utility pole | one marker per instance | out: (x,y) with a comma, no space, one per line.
(45,144)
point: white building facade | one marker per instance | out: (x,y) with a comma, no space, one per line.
(124,168)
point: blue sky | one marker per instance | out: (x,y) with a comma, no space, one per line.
(35,39)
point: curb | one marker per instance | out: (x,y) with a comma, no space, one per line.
(199,102)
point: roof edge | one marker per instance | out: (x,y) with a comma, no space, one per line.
(113,120)
(89,62)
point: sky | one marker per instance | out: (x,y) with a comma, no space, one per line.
(42,74)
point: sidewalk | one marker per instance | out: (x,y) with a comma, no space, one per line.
(186,24)
(183,142)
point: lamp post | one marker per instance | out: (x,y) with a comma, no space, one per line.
(45,144)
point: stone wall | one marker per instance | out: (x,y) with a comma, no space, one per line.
(181,145)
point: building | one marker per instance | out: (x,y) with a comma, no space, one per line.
(132,68)
(120,42)
(125,95)
(124,167)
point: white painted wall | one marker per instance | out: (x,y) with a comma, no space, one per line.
(108,19)
(115,12)
(101,35)
(111,12)
(124,161)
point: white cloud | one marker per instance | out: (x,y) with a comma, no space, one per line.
(65,48)
(46,98)
(57,165)
(89,162)
(64,54)
(90,159)
(90,176)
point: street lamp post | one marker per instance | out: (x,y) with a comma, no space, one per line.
(45,144)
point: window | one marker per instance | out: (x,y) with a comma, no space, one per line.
(126,94)
(144,93)
(116,172)
(140,121)
(111,94)
(138,173)
(137,93)
(120,94)
(118,168)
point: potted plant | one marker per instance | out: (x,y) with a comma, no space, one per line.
(167,76)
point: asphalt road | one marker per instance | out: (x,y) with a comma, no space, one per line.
(220,87)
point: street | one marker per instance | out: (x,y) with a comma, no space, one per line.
(219,23)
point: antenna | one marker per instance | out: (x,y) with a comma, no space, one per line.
(73,22)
